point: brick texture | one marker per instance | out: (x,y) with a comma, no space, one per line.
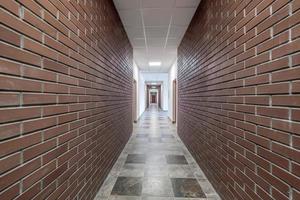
(238,81)
(65,97)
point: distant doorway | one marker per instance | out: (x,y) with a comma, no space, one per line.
(153,97)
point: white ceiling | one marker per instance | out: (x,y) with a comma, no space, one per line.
(155,29)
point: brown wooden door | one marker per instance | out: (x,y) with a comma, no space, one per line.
(153,98)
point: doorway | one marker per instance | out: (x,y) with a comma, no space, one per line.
(159,96)
(153,97)
(134,102)
(174,99)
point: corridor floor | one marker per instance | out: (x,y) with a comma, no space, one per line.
(155,165)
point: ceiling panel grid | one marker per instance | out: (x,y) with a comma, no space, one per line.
(155,29)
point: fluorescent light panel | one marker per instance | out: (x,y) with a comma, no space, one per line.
(154,63)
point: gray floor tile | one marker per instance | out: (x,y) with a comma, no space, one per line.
(157,198)
(207,187)
(155,140)
(176,159)
(132,170)
(136,158)
(140,140)
(107,186)
(117,197)
(129,186)
(155,158)
(142,135)
(167,135)
(180,171)
(155,170)
(168,140)
(199,175)
(100,198)
(157,186)
(187,187)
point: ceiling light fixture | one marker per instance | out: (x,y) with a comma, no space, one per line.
(154,64)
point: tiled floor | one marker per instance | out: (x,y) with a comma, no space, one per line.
(155,165)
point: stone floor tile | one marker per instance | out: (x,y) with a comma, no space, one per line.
(180,171)
(170,136)
(140,140)
(100,198)
(142,135)
(168,140)
(107,186)
(157,198)
(187,187)
(155,170)
(207,187)
(155,139)
(176,159)
(136,158)
(199,175)
(129,186)
(117,197)
(157,186)
(153,158)
(132,170)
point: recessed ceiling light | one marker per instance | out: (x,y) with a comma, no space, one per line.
(154,63)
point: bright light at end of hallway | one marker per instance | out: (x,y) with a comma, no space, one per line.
(154,63)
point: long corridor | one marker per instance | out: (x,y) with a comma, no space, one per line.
(155,165)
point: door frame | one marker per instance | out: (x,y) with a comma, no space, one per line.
(153,94)
(159,97)
(147,96)
(174,99)
(134,101)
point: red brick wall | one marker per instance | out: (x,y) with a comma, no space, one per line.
(65,97)
(239,102)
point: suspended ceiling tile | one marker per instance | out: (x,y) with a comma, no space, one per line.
(183,16)
(156,42)
(187,3)
(157,17)
(138,42)
(156,31)
(158,3)
(134,32)
(177,31)
(127,4)
(131,18)
(173,42)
